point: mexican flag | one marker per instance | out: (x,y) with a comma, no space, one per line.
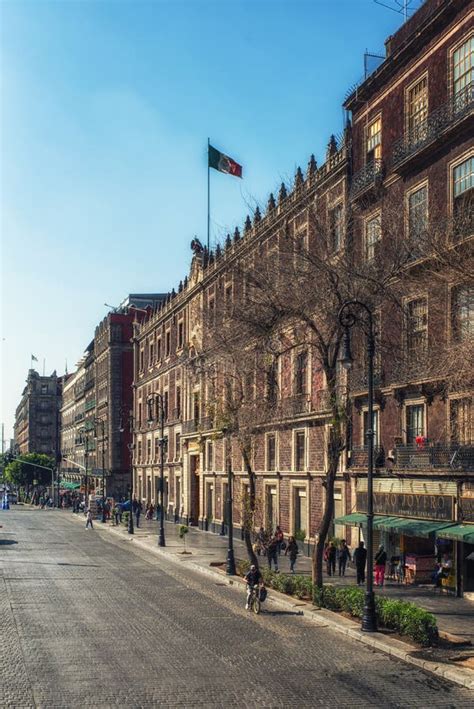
(224,163)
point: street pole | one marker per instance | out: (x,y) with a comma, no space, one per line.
(348,319)
(161,538)
(131,444)
(230,564)
(103,470)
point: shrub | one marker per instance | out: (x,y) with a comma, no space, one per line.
(402,616)
(303,586)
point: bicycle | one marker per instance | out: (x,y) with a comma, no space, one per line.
(254,599)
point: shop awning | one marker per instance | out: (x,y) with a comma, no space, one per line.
(458,532)
(70,486)
(411,527)
(354,518)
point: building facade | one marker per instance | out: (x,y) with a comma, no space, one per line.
(36,428)
(413,159)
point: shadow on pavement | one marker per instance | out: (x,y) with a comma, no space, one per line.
(5,542)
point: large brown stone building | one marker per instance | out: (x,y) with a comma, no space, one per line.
(36,428)
(399,182)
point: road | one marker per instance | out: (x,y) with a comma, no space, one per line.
(88,620)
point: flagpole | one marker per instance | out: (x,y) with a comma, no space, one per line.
(208,199)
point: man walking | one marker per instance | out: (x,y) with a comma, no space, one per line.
(272,553)
(343,557)
(360,559)
(89,520)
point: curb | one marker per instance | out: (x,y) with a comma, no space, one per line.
(323,618)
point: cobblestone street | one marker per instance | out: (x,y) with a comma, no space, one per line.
(89,621)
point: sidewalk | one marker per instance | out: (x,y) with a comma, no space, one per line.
(454,615)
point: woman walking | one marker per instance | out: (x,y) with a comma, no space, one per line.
(292,552)
(380,561)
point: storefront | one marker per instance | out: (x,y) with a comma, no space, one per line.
(411,519)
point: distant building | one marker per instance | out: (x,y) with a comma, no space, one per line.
(36,428)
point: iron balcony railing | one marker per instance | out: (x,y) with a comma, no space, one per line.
(194,425)
(449,456)
(359,457)
(435,125)
(294,406)
(370,176)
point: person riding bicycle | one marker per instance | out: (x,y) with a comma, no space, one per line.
(253,577)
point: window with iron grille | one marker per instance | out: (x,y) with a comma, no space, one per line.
(461,420)
(418,110)
(417,214)
(300,450)
(271,452)
(374,141)
(463,72)
(336,228)
(415,423)
(373,234)
(417,327)
(463,312)
(301,373)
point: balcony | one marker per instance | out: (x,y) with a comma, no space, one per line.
(367,179)
(451,456)
(432,132)
(359,457)
(196,425)
(78,417)
(89,384)
(294,406)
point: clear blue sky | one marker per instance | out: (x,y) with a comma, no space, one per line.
(106,107)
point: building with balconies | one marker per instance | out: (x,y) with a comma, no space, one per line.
(36,428)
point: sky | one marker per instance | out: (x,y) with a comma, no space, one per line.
(106,107)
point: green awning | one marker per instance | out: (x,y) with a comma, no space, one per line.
(458,532)
(412,527)
(354,518)
(70,486)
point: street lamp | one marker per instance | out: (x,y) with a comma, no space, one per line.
(84,433)
(348,317)
(230,562)
(158,400)
(101,423)
(131,447)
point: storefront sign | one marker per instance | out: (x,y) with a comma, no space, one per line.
(401,504)
(467,509)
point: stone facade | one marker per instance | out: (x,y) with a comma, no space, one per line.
(36,428)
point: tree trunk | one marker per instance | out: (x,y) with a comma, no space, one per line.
(248,523)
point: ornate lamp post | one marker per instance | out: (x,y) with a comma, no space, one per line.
(355,312)
(158,400)
(230,564)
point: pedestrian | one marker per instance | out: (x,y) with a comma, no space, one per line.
(331,559)
(360,559)
(280,538)
(344,556)
(117,514)
(138,511)
(261,541)
(380,561)
(292,551)
(272,553)
(89,520)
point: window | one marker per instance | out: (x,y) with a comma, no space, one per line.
(196,415)
(139,452)
(209,455)
(177,446)
(158,349)
(228,298)
(418,110)
(300,373)
(417,328)
(463,74)
(463,312)
(178,402)
(168,343)
(374,141)
(148,450)
(461,423)
(336,226)
(463,183)
(165,405)
(272,383)
(375,428)
(44,388)
(300,510)
(415,423)
(300,450)
(180,334)
(151,353)
(157,448)
(142,360)
(271,452)
(373,234)
(417,213)
(139,415)
(212,312)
